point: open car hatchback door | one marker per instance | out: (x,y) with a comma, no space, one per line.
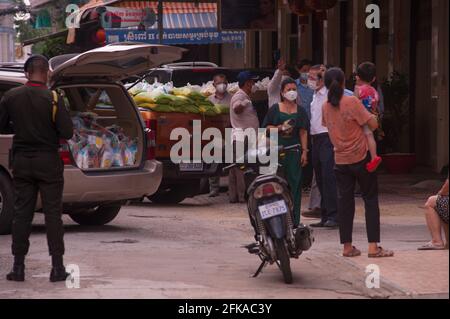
(112,62)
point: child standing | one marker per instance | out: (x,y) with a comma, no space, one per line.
(368,95)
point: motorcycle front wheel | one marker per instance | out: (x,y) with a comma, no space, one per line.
(284,260)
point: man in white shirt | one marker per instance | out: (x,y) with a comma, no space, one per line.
(221,97)
(242,116)
(322,150)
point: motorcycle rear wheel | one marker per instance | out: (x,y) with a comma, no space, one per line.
(284,260)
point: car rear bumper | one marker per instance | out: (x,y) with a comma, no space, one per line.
(173,173)
(112,186)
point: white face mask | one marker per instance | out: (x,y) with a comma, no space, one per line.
(312,84)
(221,88)
(291,96)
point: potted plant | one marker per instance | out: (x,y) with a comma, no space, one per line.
(395,120)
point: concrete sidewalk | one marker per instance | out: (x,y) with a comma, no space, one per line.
(410,273)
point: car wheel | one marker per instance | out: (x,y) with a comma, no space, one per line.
(173,195)
(6,204)
(99,216)
(204,186)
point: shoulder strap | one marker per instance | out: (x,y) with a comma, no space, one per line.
(55,105)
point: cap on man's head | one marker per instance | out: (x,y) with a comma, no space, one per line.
(32,58)
(246,76)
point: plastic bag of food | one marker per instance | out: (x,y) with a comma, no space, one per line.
(222,109)
(117,158)
(197,97)
(144,97)
(82,158)
(107,157)
(189,108)
(164,108)
(129,154)
(78,123)
(93,156)
(184,91)
(180,101)
(233,88)
(194,88)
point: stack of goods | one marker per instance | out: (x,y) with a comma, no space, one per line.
(192,99)
(94,146)
(166,98)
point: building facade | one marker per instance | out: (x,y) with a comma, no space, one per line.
(7,34)
(412,40)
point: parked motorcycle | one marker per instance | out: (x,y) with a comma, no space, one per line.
(270,208)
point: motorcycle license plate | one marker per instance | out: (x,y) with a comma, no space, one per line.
(273,209)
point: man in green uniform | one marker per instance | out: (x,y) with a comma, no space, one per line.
(38,119)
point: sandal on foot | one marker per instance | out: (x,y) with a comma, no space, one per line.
(381,253)
(354,253)
(431,246)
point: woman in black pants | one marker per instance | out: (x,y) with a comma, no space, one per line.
(345,116)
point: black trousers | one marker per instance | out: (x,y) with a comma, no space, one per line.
(323,163)
(346,177)
(37,173)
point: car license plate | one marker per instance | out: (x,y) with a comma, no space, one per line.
(191,167)
(273,209)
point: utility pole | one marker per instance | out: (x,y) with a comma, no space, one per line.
(160,21)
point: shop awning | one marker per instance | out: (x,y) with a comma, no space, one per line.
(186,10)
(183,22)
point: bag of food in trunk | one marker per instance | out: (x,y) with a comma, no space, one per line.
(129,154)
(107,154)
(117,158)
(94,146)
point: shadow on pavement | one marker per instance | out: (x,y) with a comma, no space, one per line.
(40,229)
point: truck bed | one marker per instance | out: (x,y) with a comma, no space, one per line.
(166,122)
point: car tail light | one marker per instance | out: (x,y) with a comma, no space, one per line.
(64,152)
(151,127)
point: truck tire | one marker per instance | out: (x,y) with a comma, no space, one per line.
(99,216)
(173,195)
(6,204)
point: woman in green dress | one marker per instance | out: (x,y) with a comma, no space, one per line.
(292,123)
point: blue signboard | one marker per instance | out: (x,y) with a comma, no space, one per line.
(175,36)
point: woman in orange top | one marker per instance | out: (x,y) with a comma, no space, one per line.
(345,117)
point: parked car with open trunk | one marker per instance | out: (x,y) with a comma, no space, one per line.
(97,180)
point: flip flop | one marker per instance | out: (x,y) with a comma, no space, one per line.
(354,253)
(431,246)
(381,253)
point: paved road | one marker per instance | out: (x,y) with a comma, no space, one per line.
(194,250)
